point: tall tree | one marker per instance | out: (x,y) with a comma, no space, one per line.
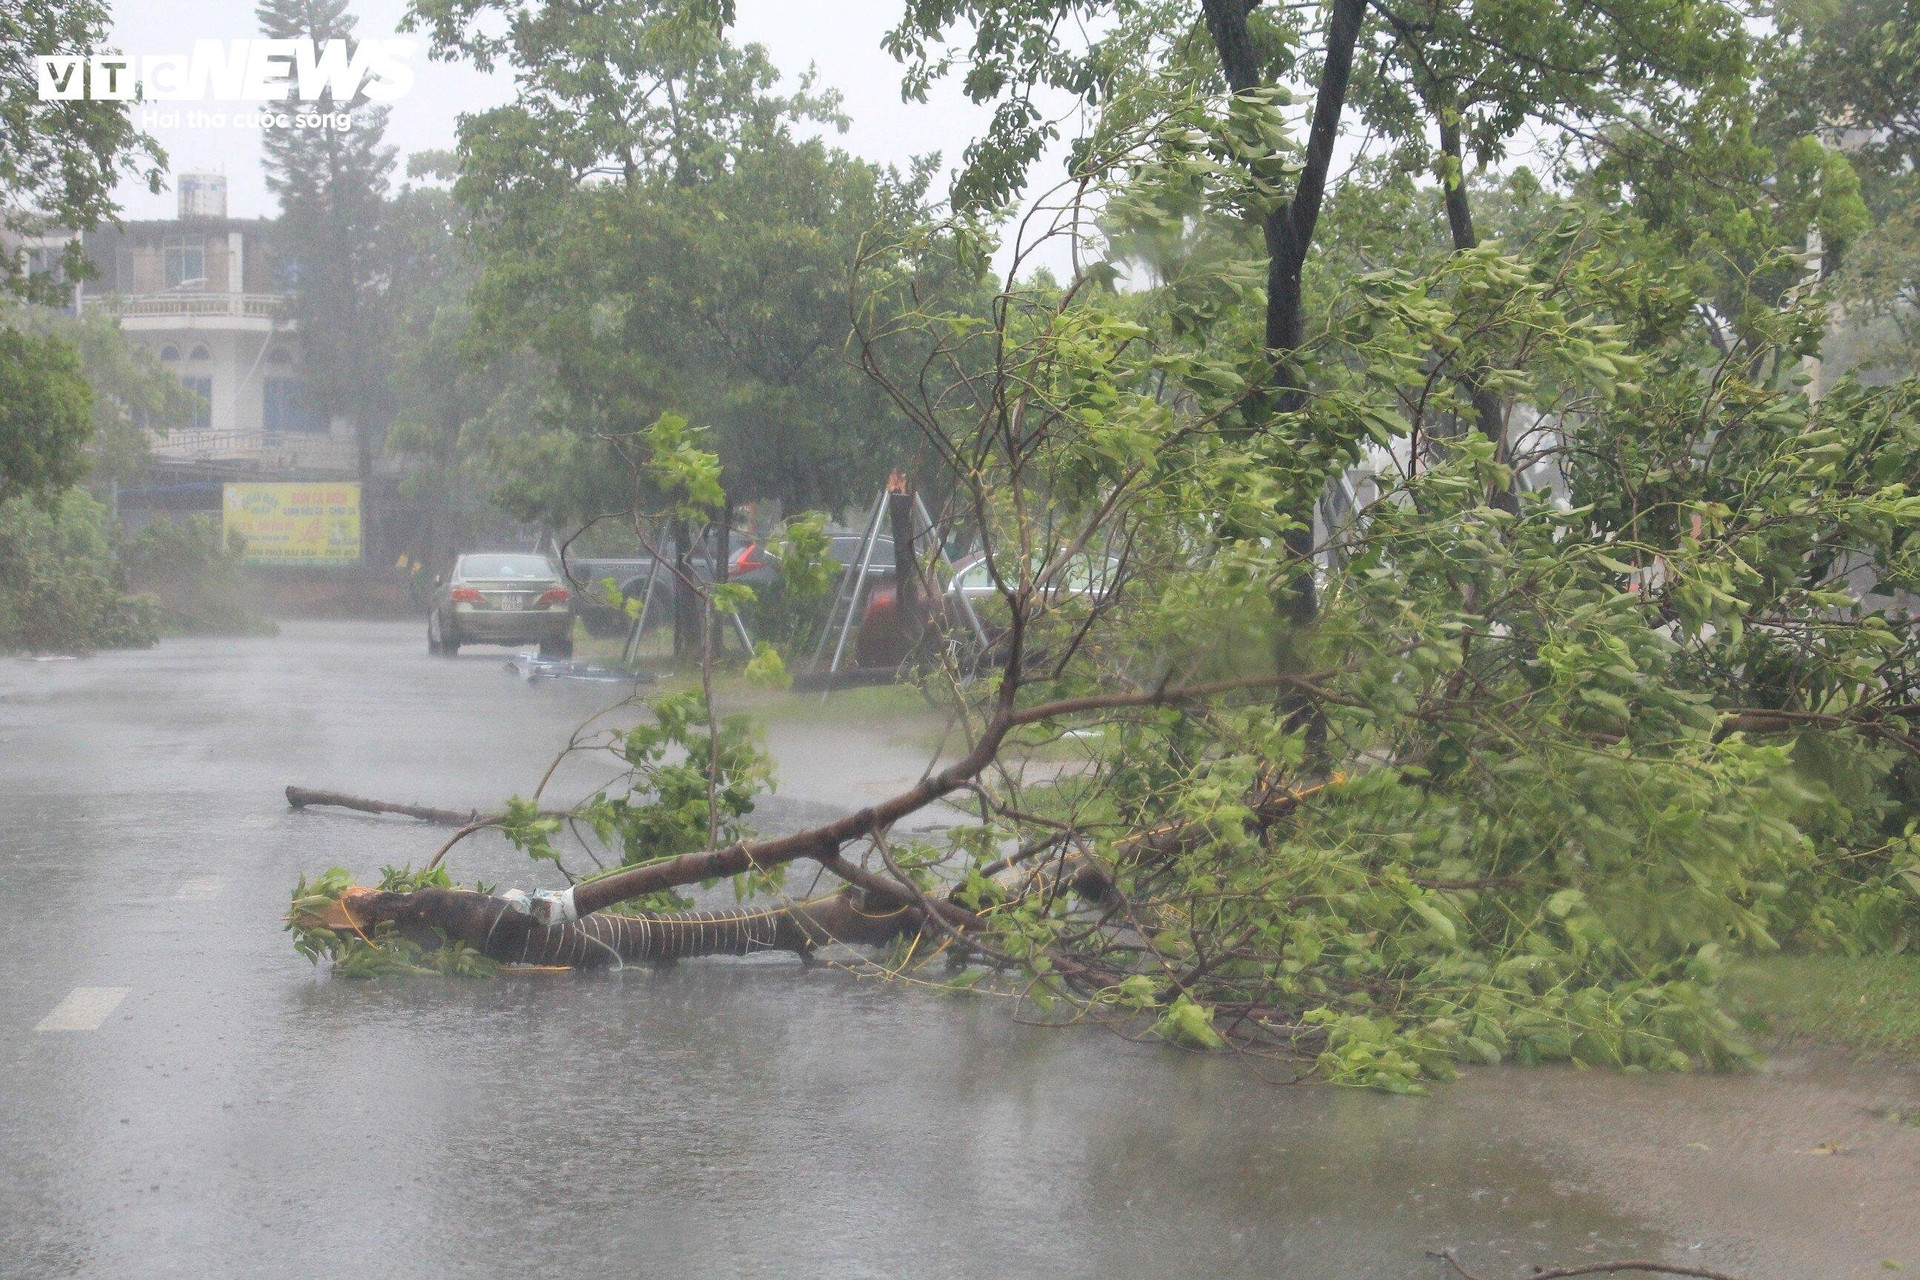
(332,184)
(1575,755)
(1470,74)
(449,410)
(653,227)
(1849,73)
(61,159)
(1853,67)
(1023,46)
(59,163)
(1451,85)
(649,222)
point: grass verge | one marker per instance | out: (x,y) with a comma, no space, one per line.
(1867,1003)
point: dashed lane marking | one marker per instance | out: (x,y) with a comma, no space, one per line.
(200,888)
(84,1009)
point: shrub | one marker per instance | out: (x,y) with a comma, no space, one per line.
(61,586)
(195,576)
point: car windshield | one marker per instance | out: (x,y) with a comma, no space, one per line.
(1083,573)
(504,566)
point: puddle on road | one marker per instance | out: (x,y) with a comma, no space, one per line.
(762,1119)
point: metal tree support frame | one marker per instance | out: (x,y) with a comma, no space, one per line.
(631,650)
(852,584)
(854,578)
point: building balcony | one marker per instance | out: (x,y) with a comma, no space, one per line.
(181,309)
(310,452)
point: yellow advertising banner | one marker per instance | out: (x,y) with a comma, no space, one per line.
(293,524)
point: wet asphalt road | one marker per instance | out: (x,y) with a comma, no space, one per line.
(240,1113)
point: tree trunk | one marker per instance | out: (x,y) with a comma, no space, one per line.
(872,911)
(497,929)
(1288,232)
(1487,409)
(906,566)
(720,545)
(1459,215)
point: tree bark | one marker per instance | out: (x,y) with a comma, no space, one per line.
(1288,231)
(1459,214)
(1289,228)
(720,546)
(489,924)
(906,567)
(503,933)
(1487,409)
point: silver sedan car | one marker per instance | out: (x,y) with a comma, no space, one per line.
(503,597)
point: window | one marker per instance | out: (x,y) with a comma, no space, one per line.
(202,387)
(284,406)
(199,353)
(47,262)
(170,353)
(186,260)
(45,267)
(504,566)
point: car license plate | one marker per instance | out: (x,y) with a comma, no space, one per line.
(515,600)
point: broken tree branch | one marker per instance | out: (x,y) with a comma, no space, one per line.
(826,841)
(302,797)
(1603,1269)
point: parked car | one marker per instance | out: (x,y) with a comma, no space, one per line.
(974,613)
(1088,576)
(629,575)
(753,566)
(502,597)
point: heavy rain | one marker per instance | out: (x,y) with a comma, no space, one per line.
(1087,638)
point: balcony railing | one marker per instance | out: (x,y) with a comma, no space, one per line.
(271,450)
(207,444)
(259,306)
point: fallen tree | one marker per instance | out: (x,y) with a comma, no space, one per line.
(1566,755)
(502,929)
(581,928)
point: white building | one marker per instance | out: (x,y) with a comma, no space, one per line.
(207,295)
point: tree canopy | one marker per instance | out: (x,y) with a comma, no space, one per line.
(59,163)
(652,223)
(1428,609)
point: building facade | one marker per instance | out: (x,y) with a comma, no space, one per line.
(207,296)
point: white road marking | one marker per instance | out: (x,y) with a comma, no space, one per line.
(84,1009)
(200,888)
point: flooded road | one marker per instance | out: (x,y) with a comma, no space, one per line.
(206,1103)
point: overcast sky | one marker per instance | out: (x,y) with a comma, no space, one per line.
(840,37)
